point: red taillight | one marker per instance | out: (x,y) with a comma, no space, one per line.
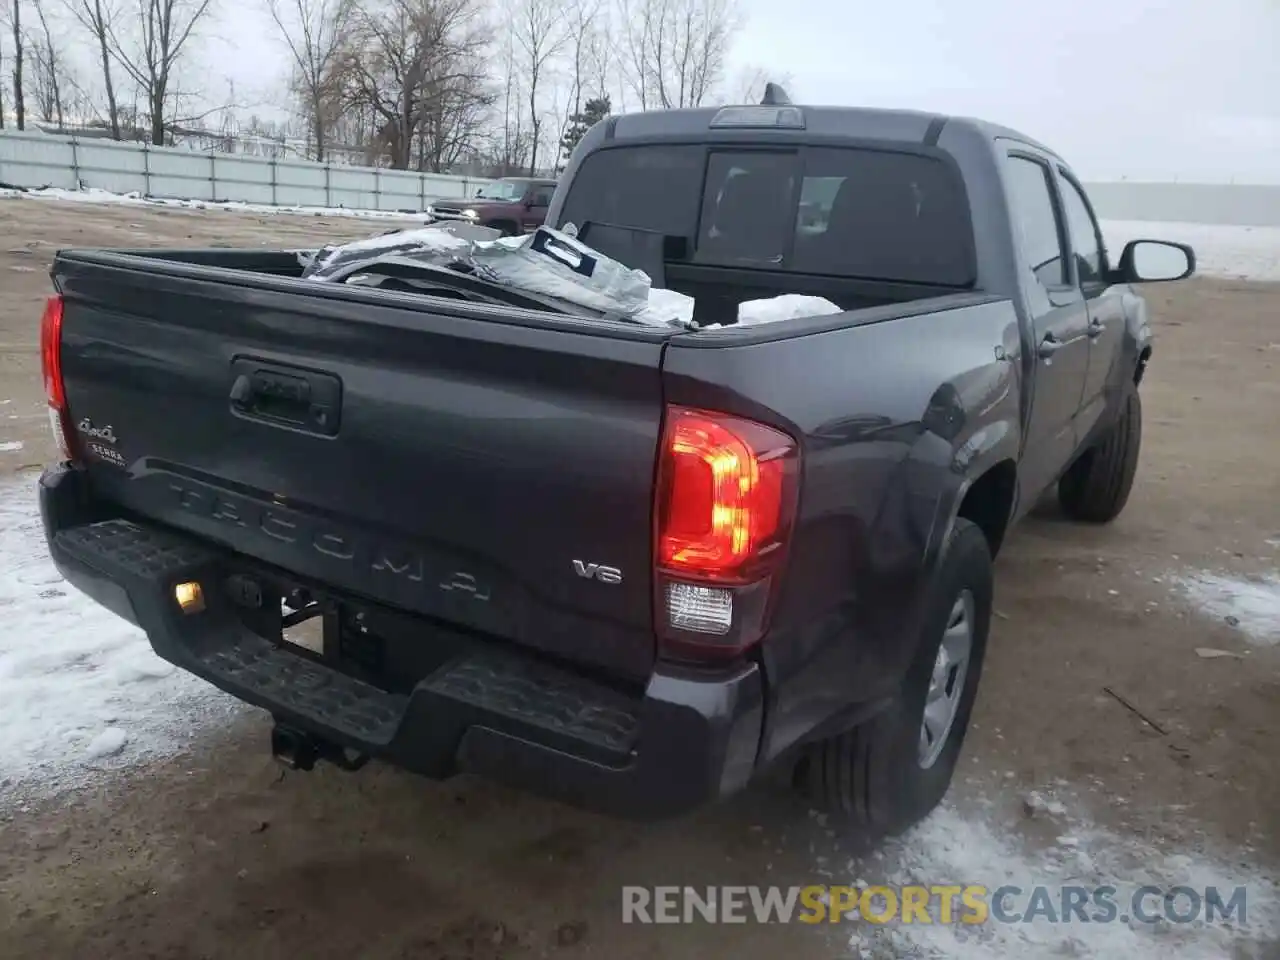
(726,500)
(51,352)
(723,492)
(54,389)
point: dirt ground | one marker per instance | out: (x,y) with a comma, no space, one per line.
(215,853)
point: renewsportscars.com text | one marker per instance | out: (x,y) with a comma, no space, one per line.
(939,903)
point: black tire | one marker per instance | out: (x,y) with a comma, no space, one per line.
(504,227)
(1096,487)
(872,778)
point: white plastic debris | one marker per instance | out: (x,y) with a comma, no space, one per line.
(788,306)
(668,306)
(429,240)
(558,265)
(549,262)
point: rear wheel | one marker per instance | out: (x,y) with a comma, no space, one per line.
(893,770)
(504,227)
(1096,487)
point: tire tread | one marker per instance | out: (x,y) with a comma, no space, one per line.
(1096,487)
(861,775)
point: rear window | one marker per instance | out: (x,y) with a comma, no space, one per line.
(848,212)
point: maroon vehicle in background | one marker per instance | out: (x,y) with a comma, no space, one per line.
(513,205)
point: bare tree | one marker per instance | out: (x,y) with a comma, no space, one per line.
(674,51)
(511,151)
(97,17)
(313,30)
(585,34)
(48,73)
(414,68)
(541,31)
(165,28)
(451,123)
(599,55)
(634,48)
(19,105)
(582,18)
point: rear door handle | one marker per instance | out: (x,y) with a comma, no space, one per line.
(1049,346)
(1096,328)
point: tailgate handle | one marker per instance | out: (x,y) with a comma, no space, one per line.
(288,396)
(270,388)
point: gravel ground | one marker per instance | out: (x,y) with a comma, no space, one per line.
(176,836)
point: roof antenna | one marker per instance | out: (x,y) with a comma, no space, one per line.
(774,96)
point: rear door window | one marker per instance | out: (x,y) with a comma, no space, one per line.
(748,209)
(643,188)
(883,215)
(1039,229)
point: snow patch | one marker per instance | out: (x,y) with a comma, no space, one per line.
(1252,605)
(9,446)
(95,195)
(108,743)
(77,683)
(951,848)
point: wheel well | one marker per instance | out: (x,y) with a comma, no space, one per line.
(1142,365)
(989,501)
(502,225)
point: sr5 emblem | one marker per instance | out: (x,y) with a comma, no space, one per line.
(595,571)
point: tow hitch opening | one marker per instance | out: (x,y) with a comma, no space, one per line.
(298,750)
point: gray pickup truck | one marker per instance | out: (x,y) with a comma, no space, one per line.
(630,566)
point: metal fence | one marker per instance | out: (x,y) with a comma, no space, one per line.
(36,160)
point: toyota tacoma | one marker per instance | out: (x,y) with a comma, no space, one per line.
(627,566)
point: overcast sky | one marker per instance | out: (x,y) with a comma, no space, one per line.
(1122,88)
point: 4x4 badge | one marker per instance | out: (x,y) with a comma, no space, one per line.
(98,433)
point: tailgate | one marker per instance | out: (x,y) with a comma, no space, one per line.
(479,472)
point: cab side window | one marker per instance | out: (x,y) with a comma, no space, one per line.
(1086,239)
(541,196)
(1036,220)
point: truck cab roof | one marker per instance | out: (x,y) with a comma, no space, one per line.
(838,122)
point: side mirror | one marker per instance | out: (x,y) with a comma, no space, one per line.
(528,202)
(1156,261)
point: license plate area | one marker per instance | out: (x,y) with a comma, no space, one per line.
(303,627)
(389,649)
(310,623)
